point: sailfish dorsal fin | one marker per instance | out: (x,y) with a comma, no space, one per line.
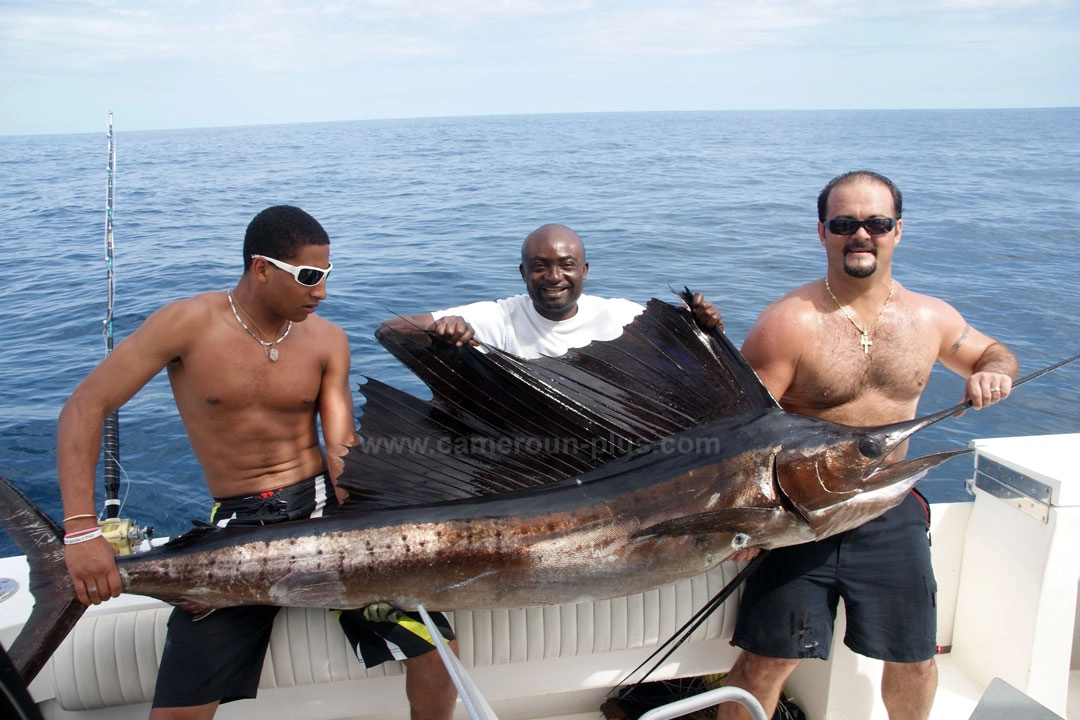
(497,422)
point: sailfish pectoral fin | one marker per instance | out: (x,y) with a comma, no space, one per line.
(748,520)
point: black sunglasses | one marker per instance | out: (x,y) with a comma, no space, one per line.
(847,226)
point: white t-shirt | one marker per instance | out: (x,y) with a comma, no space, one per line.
(512,324)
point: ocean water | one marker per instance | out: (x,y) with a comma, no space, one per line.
(428,213)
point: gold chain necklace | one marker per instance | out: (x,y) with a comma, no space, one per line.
(865,340)
(269,348)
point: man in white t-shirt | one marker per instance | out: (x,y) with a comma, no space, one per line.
(552,317)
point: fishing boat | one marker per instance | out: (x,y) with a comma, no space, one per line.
(1008,629)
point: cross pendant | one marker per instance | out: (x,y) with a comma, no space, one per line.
(866,342)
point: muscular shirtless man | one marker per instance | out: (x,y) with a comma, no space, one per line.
(251,370)
(856,348)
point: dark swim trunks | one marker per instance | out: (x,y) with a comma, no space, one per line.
(220,657)
(883,572)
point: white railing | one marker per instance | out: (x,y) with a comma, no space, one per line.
(708,699)
(478,707)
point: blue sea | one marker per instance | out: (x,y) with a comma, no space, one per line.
(428,213)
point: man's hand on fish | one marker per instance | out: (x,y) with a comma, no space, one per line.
(453,329)
(705,313)
(93,571)
(986,388)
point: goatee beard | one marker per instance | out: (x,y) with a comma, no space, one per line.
(860,271)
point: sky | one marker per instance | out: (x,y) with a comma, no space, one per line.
(164,64)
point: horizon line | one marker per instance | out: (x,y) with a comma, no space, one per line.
(535,114)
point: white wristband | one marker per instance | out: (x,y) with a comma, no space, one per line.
(92,535)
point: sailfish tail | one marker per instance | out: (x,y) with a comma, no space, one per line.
(56,609)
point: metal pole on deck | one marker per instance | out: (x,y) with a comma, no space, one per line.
(110,437)
(708,699)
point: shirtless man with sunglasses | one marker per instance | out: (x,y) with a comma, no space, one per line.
(856,348)
(254,371)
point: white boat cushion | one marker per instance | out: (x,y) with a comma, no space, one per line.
(111,659)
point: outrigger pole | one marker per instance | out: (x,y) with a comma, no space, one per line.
(111,427)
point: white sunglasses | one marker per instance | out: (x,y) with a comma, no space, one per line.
(306,275)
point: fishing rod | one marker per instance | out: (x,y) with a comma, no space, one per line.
(110,437)
(123,534)
(622,690)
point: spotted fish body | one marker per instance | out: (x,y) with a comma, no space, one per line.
(605,534)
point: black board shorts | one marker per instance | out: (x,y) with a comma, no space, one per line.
(219,657)
(882,571)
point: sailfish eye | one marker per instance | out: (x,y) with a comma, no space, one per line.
(870,447)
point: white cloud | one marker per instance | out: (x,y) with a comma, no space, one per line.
(678,28)
(702,28)
(253,61)
(305,35)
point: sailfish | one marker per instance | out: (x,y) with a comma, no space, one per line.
(619,467)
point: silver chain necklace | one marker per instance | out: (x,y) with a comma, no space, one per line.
(269,348)
(865,340)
